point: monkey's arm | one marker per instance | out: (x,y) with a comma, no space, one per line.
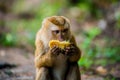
(77,53)
(42,58)
(75,56)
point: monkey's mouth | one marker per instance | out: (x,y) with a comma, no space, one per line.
(61,39)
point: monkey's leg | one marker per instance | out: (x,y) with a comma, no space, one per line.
(43,74)
(73,72)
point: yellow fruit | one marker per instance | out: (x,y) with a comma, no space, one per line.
(61,45)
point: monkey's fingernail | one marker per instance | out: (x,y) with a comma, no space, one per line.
(66,50)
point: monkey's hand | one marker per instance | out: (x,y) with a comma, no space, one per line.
(55,50)
(71,50)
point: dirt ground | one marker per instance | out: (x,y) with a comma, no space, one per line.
(18,64)
(21,64)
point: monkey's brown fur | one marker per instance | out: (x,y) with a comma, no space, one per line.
(50,66)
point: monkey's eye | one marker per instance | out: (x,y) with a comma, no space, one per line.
(65,30)
(56,31)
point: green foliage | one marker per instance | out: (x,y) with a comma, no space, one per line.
(88,6)
(7,39)
(117,18)
(117,15)
(24,30)
(112,53)
(85,62)
(89,51)
(84,6)
(93,32)
(89,36)
(94,54)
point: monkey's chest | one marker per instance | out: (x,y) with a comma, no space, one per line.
(60,67)
(60,60)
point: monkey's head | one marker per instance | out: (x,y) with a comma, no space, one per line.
(56,28)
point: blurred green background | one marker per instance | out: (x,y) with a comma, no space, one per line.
(95,23)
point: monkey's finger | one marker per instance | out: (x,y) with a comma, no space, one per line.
(67,50)
(52,50)
(62,51)
(56,50)
(72,44)
(67,47)
(66,53)
(72,47)
(70,50)
(69,53)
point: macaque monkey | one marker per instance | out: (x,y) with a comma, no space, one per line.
(54,63)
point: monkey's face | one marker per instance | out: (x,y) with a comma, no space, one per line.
(57,28)
(61,34)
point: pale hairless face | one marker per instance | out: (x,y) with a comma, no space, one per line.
(60,29)
(60,33)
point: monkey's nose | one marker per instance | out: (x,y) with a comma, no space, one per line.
(61,39)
